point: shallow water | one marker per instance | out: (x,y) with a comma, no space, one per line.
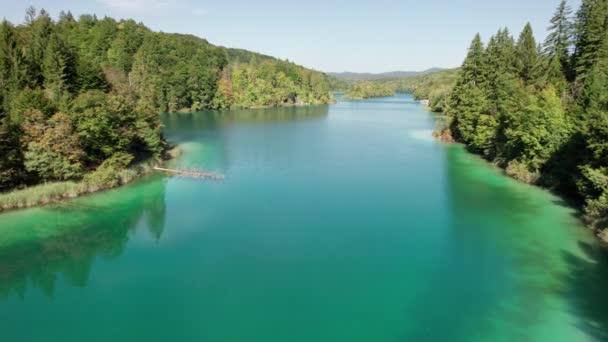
(335,223)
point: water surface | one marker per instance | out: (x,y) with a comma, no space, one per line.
(335,223)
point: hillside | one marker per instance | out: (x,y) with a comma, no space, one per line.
(80,97)
(432,86)
(355,76)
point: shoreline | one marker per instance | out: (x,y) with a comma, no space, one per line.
(43,194)
(444,136)
(55,192)
(283,105)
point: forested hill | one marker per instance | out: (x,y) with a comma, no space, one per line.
(358,76)
(541,110)
(80,92)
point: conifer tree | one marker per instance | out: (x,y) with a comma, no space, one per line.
(473,69)
(526,52)
(469,100)
(591,30)
(8,60)
(559,40)
(55,65)
(38,35)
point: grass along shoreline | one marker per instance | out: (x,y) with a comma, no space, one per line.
(104,178)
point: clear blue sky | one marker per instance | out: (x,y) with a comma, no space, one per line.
(328,35)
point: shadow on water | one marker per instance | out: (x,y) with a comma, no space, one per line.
(71,252)
(585,286)
(501,267)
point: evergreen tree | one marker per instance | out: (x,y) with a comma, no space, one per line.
(559,40)
(37,39)
(86,94)
(591,30)
(556,59)
(58,67)
(469,119)
(9,68)
(526,52)
(473,69)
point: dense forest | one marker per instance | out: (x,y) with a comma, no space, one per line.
(80,98)
(541,110)
(368,89)
(433,86)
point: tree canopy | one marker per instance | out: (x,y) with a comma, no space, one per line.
(541,112)
(78,94)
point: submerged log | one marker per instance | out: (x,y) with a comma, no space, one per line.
(192,173)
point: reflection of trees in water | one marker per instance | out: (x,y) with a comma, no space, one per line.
(463,286)
(102,232)
(501,273)
(211,128)
(584,285)
(183,127)
(543,271)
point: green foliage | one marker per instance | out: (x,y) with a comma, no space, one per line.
(367,89)
(79,96)
(526,55)
(53,152)
(11,171)
(108,174)
(591,35)
(559,41)
(542,116)
(269,83)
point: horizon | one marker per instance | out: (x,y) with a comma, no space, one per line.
(353,47)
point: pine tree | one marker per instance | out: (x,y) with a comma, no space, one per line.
(58,68)
(591,30)
(54,65)
(468,104)
(7,63)
(526,52)
(559,40)
(500,60)
(473,69)
(40,28)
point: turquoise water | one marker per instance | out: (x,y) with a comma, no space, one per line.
(334,223)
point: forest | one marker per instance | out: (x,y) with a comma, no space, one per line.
(540,110)
(80,97)
(368,89)
(433,86)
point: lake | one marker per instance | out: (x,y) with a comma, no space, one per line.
(334,223)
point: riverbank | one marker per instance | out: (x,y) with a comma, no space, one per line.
(444,135)
(100,180)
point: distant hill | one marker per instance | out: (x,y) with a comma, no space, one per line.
(356,76)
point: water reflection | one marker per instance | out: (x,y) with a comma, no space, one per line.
(526,256)
(585,285)
(215,140)
(66,239)
(185,127)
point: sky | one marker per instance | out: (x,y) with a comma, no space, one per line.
(326,35)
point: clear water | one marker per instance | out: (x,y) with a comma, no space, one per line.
(339,223)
